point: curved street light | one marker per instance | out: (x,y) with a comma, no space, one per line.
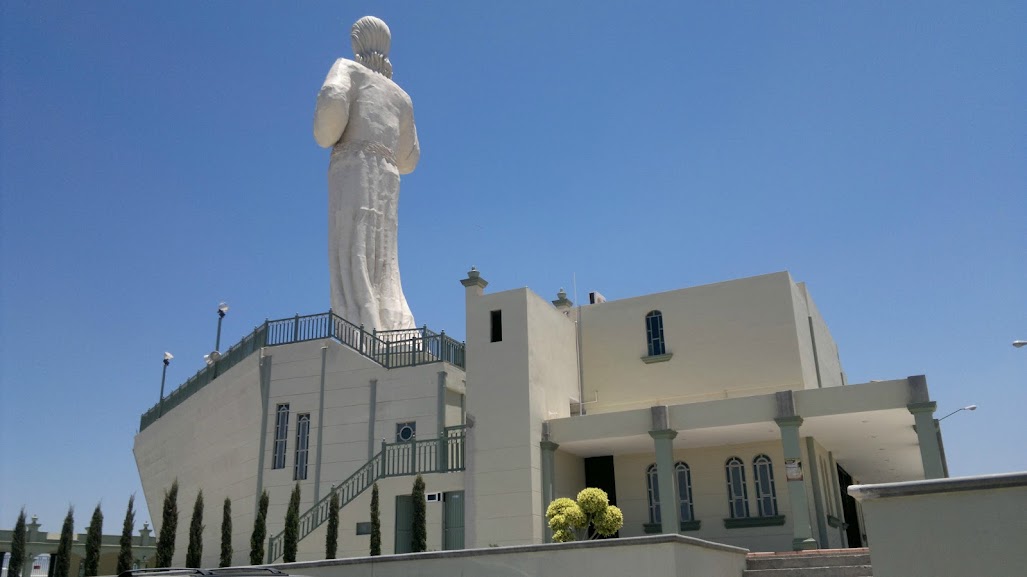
(1019,343)
(164,375)
(966,408)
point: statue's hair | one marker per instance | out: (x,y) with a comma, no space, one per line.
(371,41)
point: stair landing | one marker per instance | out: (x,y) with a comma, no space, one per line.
(818,563)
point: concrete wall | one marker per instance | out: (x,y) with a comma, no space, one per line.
(656,555)
(709,494)
(733,338)
(512,386)
(212,440)
(947,527)
(820,359)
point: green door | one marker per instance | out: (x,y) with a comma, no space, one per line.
(453,520)
(404,523)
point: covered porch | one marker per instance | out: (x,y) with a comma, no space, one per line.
(765,472)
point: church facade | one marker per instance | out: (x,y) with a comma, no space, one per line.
(719,411)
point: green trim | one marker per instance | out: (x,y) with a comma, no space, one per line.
(320,425)
(800,544)
(754,522)
(928,407)
(657,528)
(657,358)
(795,421)
(836,522)
(819,490)
(693,525)
(664,434)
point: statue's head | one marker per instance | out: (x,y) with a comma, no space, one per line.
(371,41)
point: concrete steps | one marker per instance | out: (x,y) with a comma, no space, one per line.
(820,563)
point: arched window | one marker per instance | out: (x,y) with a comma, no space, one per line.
(654,333)
(684,483)
(652,486)
(684,480)
(766,496)
(736,493)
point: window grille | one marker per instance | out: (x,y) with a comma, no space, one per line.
(302,447)
(654,333)
(736,491)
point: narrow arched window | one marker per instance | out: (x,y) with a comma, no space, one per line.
(652,486)
(684,480)
(766,496)
(736,492)
(654,333)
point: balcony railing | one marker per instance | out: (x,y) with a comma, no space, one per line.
(391,349)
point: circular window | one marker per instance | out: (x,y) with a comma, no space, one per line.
(406,432)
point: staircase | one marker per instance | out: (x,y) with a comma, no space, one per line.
(441,455)
(817,563)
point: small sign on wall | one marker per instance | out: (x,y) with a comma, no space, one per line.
(364,528)
(793,469)
(433,497)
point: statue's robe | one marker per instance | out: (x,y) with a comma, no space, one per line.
(368,120)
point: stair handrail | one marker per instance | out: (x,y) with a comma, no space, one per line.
(450,446)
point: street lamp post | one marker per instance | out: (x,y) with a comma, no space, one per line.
(163,377)
(222,309)
(966,408)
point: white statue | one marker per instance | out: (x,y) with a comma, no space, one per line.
(368,120)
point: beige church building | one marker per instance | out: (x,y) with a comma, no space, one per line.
(719,411)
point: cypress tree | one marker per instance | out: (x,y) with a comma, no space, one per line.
(194,553)
(62,562)
(259,531)
(332,540)
(168,527)
(226,534)
(376,523)
(17,560)
(292,526)
(93,536)
(125,553)
(419,532)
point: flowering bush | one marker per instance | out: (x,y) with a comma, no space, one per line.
(569,519)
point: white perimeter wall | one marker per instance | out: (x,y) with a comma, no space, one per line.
(955,533)
(662,555)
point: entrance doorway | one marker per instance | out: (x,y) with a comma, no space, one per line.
(404,524)
(453,520)
(599,473)
(853,531)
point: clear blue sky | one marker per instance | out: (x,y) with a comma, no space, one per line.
(157,158)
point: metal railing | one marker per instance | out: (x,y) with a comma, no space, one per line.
(250,344)
(393,460)
(391,349)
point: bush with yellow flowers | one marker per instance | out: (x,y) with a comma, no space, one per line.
(570,519)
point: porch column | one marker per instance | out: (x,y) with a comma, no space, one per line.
(802,531)
(664,439)
(548,483)
(927,435)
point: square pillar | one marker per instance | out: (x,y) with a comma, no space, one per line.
(802,535)
(548,483)
(927,435)
(669,512)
